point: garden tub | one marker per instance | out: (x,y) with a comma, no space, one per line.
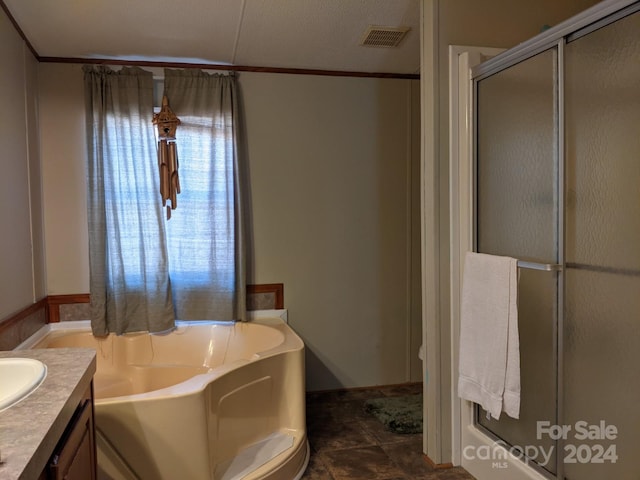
(209,400)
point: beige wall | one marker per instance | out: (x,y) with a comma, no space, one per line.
(490,23)
(332,164)
(64,152)
(331,179)
(21,252)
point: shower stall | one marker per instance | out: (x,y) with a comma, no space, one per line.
(556,184)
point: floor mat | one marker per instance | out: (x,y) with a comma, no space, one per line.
(399,414)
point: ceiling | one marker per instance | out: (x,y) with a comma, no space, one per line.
(292,34)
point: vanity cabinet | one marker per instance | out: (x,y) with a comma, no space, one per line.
(50,434)
(74,458)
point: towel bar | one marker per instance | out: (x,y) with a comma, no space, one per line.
(554,267)
(547,267)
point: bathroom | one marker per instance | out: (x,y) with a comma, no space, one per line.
(353,289)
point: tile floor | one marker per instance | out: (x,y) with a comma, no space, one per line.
(348,443)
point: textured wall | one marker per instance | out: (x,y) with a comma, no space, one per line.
(21,256)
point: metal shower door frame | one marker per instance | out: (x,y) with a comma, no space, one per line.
(602,14)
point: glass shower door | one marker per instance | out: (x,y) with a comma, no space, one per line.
(580,208)
(602,307)
(517,216)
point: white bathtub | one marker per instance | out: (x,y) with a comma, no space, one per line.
(210,401)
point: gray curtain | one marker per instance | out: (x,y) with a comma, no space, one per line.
(129,273)
(206,232)
(146,270)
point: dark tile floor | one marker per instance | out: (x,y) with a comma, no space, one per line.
(349,443)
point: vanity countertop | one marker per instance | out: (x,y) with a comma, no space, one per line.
(31,429)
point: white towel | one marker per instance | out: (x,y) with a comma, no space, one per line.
(489,345)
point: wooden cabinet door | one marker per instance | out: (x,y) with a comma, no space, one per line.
(75,457)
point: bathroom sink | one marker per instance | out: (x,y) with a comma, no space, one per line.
(18,378)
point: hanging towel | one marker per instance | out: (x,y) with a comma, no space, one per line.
(489,345)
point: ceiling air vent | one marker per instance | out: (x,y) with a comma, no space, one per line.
(383,36)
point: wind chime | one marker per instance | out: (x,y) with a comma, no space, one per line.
(167,122)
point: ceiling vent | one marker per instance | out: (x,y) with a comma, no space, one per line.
(383,36)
